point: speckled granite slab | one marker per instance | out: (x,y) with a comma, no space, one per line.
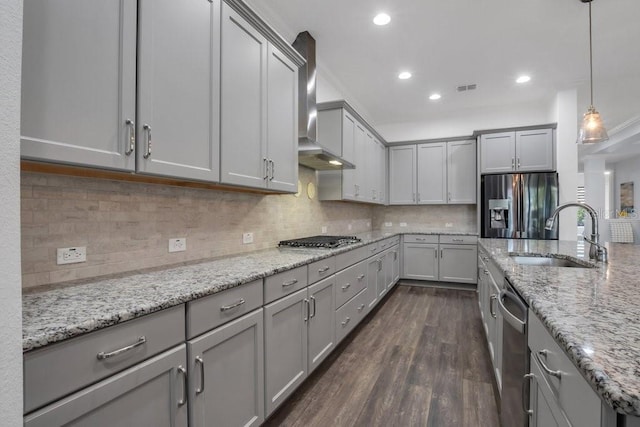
(593,313)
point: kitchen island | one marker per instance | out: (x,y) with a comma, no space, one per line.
(592,313)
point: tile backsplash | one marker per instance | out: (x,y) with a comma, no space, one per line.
(126,225)
(459,218)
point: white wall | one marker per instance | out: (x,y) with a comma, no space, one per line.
(10,289)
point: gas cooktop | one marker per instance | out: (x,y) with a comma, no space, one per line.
(321,241)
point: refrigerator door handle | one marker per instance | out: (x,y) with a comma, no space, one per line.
(516,207)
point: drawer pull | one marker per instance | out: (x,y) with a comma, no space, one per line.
(546,369)
(200,362)
(346,286)
(420,239)
(373,249)
(457,240)
(102,355)
(525,379)
(289,283)
(232,306)
(323,269)
(361,307)
(360,277)
(493,298)
(183,373)
(347,320)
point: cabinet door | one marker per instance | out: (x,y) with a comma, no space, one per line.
(79,82)
(461,172)
(402,175)
(373,268)
(420,261)
(151,393)
(348,136)
(321,321)
(432,173)
(243,102)
(285,337)
(352,188)
(545,406)
(458,263)
(282,121)
(534,150)
(497,152)
(495,331)
(380,172)
(226,374)
(396,264)
(178,120)
(382,276)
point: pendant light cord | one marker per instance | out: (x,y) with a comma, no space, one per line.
(590,55)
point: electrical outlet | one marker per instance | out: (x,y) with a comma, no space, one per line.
(247,238)
(178,244)
(403,224)
(448,224)
(324,229)
(388,224)
(71,255)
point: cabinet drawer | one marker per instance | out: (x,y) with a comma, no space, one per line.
(350,281)
(209,312)
(321,269)
(59,369)
(421,238)
(577,399)
(373,248)
(459,240)
(346,259)
(350,314)
(285,283)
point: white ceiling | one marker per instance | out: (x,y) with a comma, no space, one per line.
(446,43)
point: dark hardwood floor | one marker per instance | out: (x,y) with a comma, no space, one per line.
(419,360)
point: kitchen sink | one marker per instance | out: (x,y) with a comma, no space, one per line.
(548,261)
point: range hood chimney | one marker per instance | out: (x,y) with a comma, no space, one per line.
(310,153)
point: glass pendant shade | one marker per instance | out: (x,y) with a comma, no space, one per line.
(592,129)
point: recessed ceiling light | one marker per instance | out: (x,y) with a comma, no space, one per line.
(381,19)
(523,79)
(435,96)
(404,75)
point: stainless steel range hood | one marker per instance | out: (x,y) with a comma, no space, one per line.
(310,152)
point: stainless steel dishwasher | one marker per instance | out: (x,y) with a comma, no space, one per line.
(515,358)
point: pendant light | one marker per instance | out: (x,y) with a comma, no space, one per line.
(592,129)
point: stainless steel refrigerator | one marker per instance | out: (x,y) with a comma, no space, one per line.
(516,206)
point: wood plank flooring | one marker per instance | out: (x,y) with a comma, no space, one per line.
(419,360)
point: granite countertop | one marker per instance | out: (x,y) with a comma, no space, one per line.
(593,313)
(55,313)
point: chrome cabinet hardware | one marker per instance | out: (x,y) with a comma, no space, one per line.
(457,240)
(131,126)
(232,306)
(486,271)
(324,269)
(485,258)
(200,362)
(545,368)
(265,162)
(313,300)
(518,162)
(346,286)
(441,252)
(449,194)
(147,152)
(513,163)
(306,309)
(395,255)
(525,378)
(379,265)
(360,277)
(418,197)
(273,169)
(183,372)
(373,249)
(289,283)
(347,320)
(360,307)
(493,298)
(102,355)
(420,239)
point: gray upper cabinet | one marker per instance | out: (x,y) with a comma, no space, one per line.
(521,151)
(402,175)
(151,393)
(226,374)
(322,338)
(79,82)
(243,105)
(432,173)
(178,120)
(282,121)
(461,172)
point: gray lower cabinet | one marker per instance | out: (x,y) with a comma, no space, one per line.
(458,263)
(545,410)
(226,374)
(420,261)
(396,263)
(373,277)
(79,82)
(322,302)
(151,393)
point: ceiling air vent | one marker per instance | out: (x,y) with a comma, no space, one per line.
(466,87)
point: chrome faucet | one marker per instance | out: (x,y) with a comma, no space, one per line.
(596,250)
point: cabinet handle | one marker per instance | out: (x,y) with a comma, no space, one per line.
(418,197)
(265,162)
(449,194)
(347,320)
(147,153)
(420,239)
(183,372)
(525,378)
(102,355)
(131,126)
(493,298)
(513,163)
(379,265)
(373,249)
(485,258)
(273,169)
(435,253)
(486,272)
(360,277)
(457,240)
(518,162)
(200,362)
(323,269)
(395,255)
(346,286)
(313,299)
(441,252)
(361,307)
(232,306)
(546,369)
(289,283)
(306,308)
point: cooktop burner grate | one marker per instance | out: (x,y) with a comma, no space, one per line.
(321,241)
